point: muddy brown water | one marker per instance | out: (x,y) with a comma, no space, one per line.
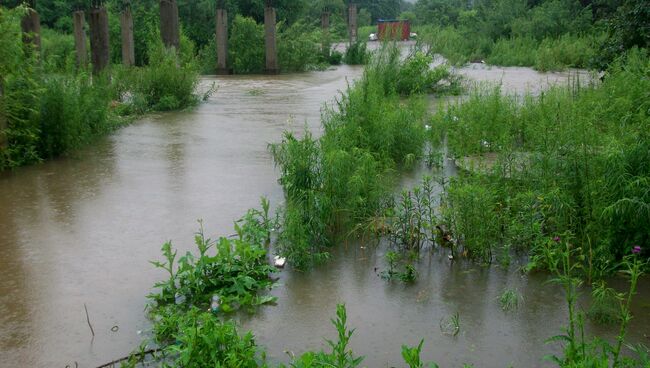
(82,230)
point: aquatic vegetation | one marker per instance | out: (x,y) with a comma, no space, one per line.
(509,300)
(204,341)
(414,218)
(53,108)
(604,308)
(341,355)
(579,352)
(339,184)
(417,76)
(450,325)
(236,272)
(560,163)
(412,358)
(394,261)
(356,54)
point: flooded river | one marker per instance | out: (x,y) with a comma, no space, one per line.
(82,229)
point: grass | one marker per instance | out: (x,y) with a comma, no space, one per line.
(545,54)
(338,183)
(509,300)
(566,163)
(451,325)
(52,108)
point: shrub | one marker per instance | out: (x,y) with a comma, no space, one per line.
(166,84)
(299,48)
(356,54)
(73,112)
(246,46)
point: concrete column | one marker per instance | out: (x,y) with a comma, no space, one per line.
(352,22)
(3,119)
(222,41)
(128,48)
(169,28)
(272,66)
(99,41)
(79,20)
(325,24)
(31,27)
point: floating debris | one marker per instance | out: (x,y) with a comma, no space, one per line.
(279,262)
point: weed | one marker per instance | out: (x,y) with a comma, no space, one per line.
(341,355)
(356,54)
(412,358)
(451,325)
(509,300)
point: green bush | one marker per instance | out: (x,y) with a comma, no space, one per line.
(246,46)
(299,48)
(570,162)
(336,184)
(73,112)
(203,341)
(57,51)
(356,54)
(167,83)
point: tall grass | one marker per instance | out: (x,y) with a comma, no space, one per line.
(571,161)
(460,46)
(338,184)
(52,108)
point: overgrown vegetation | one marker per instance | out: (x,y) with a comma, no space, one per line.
(547,35)
(339,184)
(566,164)
(51,107)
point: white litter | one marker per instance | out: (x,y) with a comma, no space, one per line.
(279,261)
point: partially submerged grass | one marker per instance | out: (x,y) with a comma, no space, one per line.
(509,300)
(341,181)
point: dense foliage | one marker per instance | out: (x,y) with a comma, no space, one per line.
(52,107)
(570,163)
(548,35)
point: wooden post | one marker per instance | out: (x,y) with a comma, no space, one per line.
(222,41)
(272,66)
(128,48)
(31,27)
(169,29)
(352,22)
(325,24)
(79,20)
(99,41)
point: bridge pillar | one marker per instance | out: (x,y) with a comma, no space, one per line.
(99,38)
(169,28)
(352,22)
(325,24)
(31,27)
(222,41)
(272,66)
(128,47)
(79,19)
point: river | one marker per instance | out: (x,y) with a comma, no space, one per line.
(81,230)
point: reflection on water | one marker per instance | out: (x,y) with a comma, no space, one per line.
(82,229)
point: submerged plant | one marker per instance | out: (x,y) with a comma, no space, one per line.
(451,325)
(509,300)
